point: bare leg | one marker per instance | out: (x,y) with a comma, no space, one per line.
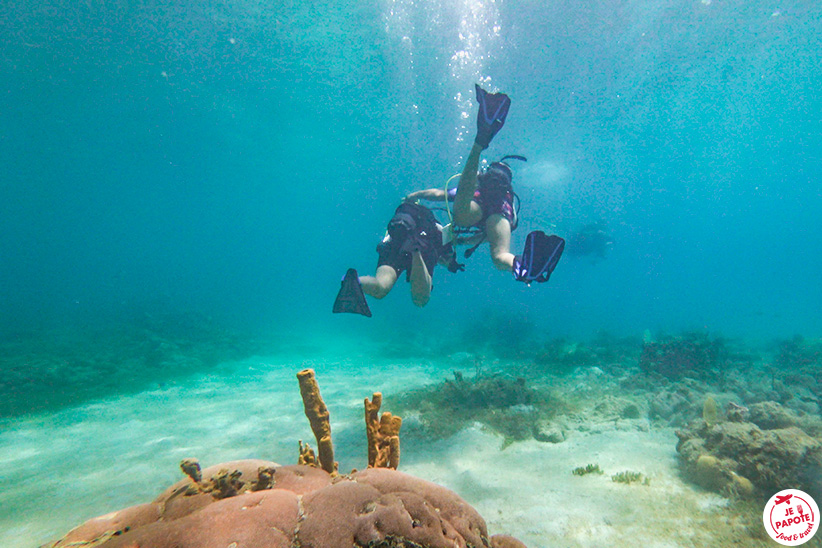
(420,280)
(381,283)
(498,232)
(467,212)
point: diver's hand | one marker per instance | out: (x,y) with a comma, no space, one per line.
(430,194)
(493,109)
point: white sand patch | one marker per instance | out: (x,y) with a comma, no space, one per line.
(528,489)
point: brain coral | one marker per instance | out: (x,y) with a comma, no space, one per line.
(302,506)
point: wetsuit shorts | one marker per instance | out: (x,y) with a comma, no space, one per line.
(492,199)
(392,253)
(496,202)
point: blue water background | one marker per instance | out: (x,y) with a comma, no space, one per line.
(233,159)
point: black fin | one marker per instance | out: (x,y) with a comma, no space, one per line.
(351,298)
(513,157)
(493,109)
(539,258)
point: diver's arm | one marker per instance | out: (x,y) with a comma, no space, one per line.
(429,194)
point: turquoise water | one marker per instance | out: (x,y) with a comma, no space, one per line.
(236,158)
(226,162)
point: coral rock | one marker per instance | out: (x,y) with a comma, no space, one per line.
(741,486)
(716,457)
(769,415)
(711,473)
(548,433)
(505,541)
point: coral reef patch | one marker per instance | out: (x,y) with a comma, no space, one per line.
(692,354)
(506,405)
(763,454)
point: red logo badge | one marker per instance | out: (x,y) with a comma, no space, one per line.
(791,517)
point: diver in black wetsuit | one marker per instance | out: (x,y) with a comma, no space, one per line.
(413,243)
(592,240)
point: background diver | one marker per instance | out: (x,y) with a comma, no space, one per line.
(483,210)
(592,240)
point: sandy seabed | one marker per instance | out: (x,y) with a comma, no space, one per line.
(57,470)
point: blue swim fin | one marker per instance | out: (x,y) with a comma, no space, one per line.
(539,258)
(351,298)
(493,109)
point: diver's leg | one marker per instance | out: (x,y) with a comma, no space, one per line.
(379,285)
(498,232)
(420,280)
(467,212)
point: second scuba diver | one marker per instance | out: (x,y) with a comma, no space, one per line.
(484,202)
(483,210)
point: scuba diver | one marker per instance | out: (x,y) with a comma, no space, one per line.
(413,243)
(591,240)
(484,202)
(483,211)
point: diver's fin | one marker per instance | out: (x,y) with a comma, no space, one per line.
(493,108)
(351,298)
(539,258)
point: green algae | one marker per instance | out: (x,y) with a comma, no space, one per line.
(506,405)
(588,469)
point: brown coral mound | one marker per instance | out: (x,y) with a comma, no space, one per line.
(302,506)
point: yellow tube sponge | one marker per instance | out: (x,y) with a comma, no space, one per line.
(317,414)
(383,435)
